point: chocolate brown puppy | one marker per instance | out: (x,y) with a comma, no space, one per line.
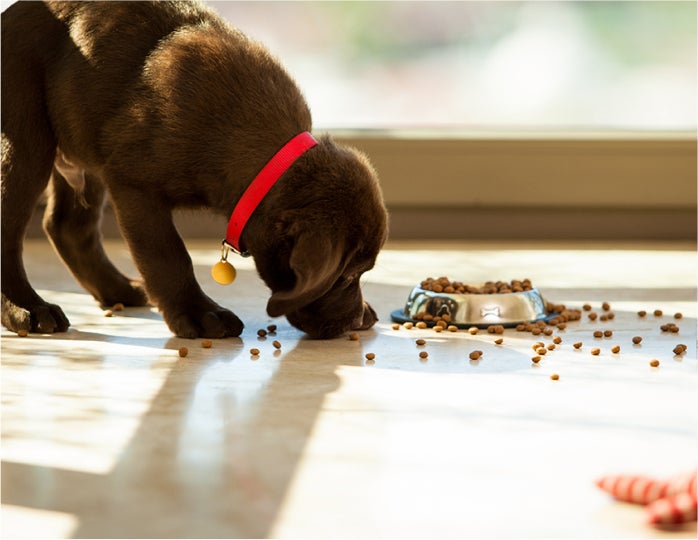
(160,106)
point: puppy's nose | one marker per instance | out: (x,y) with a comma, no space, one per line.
(366,320)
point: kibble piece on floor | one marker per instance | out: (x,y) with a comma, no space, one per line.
(473,330)
(420,342)
(408,325)
(370,356)
(598,333)
(554,376)
(207,344)
(438,328)
(22,333)
(592,316)
(271,328)
(499,341)
(108,313)
(261,332)
(577,345)
(354,336)
(658,313)
(637,340)
(615,349)
(120,307)
(396,326)
(557,340)
(254,352)
(641,313)
(423,354)
(596,351)
(183,351)
(654,363)
(475,355)
(678,315)
(608,333)
(536,359)
(276,344)
(680,349)
(452,328)
(421,325)
(606,306)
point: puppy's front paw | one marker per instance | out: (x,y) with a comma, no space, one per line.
(212,323)
(41,317)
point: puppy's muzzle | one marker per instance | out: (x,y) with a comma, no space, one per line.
(366,320)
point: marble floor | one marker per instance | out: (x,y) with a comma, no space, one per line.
(108,433)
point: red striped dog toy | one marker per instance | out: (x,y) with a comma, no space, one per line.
(668,502)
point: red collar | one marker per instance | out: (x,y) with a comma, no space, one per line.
(260,186)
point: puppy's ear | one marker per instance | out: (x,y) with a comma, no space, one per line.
(317,262)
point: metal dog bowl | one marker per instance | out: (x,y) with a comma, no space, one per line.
(481,310)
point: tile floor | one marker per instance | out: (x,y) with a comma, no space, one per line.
(107,432)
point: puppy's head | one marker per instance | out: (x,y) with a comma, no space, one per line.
(329,225)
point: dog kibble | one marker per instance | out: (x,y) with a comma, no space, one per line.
(22,333)
(551,346)
(641,313)
(607,333)
(276,344)
(473,330)
(557,340)
(421,325)
(254,352)
(108,313)
(408,325)
(669,327)
(615,349)
(586,307)
(396,327)
(183,351)
(678,315)
(680,349)
(606,306)
(637,340)
(118,307)
(598,333)
(261,332)
(271,328)
(592,316)
(207,344)
(475,355)
(423,354)
(658,313)
(444,284)
(354,336)
(542,351)
(420,342)
(654,363)
(438,329)
(499,341)
(452,328)
(555,377)
(596,351)
(536,359)
(370,356)
(577,345)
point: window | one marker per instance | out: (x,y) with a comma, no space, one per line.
(493,65)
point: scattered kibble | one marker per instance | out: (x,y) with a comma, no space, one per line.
(542,351)
(438,329)
(370,356)
(596,351)
(261,332)
(354,336)
(577,345)
(555,377)
(452,328)
(254,352)
(608,333)
(598,333)
(271,328)
(551,346)
(680,349)
(396,326)
(615,349)
(536,359)
(637,340)
(473,330)
(475,355)
(586,307)
(499,341)
(658,313)
(592,316)
(420,342)
(654,363)
(678,315)
(669,327)
(606,306)
(118,307)
(408,325)
(421,325)
(276,344)
(22,333)
(641,313)
(557,340)
(207,343)
(183,351)
(423,354)
(108,313)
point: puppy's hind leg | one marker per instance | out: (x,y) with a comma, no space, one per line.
(26,165)
(72,222)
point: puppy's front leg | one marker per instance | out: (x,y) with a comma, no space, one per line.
(166,267)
